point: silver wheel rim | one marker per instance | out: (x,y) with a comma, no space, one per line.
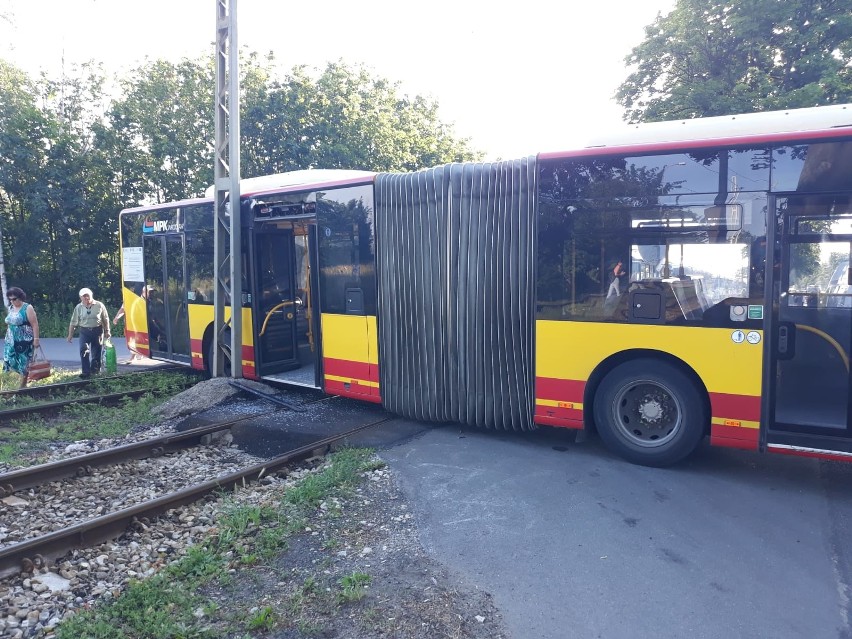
(647,414)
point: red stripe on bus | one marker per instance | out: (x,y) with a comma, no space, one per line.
(552,388)
(353,389)
(248,363)
(734,437)
(727,406)
(656,147)
(140,340)
(560,421)
(809,453)
(140,337)
(560,412)
(195,347)
(347,368)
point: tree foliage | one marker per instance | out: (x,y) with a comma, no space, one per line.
(710,57)
(74,151)
(343,118)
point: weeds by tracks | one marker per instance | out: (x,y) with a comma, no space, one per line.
(32,435)
(175,602)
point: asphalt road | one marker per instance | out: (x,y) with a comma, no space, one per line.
(573,542)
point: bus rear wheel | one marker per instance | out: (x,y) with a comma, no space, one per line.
(211,348)
(650,413)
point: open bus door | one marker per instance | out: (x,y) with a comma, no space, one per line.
(276,301)
(285,347)
(165,297)
(812,328)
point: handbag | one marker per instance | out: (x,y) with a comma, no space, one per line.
(39,366)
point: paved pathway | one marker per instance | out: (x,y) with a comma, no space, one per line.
(61,353)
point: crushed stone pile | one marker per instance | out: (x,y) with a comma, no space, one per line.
(204,395)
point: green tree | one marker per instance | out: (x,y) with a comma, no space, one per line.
(71,156)
(708,57)
(342,118)
(58,232)
(78,235)
(23,148)
(166,114)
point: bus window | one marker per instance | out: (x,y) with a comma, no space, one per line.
(347,253)
(199,247)
(718,271)
(693,255)
(686,223)
(199,266)
(812,167)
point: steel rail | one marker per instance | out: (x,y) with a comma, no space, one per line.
(59,387)
(85,464)
(37,552)
(107,399)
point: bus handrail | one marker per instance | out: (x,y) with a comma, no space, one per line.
(271,311)
(828,338)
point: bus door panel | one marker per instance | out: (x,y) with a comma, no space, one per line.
(277,301)
(165,297)
(813,330)
(175,288)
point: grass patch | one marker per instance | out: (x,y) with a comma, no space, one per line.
(352,587)
(90,421)
(155,608)
(165,605)
(344,475)
(263,619)
(11,381)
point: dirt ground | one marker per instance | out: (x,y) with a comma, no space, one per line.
(369,540)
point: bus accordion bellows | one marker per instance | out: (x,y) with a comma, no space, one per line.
(676,281)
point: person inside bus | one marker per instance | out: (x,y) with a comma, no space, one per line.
(615,284)
(134,354)
(156,317)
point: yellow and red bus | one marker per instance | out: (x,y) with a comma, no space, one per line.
(673,282)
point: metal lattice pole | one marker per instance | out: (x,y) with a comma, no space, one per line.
(227,235)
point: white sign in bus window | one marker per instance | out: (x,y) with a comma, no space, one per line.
(131,264)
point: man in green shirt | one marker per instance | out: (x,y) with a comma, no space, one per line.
(91,317)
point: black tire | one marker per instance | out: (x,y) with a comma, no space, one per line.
(208,363)
(650,413)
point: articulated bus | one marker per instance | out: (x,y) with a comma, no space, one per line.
(482,293)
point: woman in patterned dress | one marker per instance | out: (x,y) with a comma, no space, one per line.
(21,334)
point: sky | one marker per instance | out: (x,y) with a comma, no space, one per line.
(515,78)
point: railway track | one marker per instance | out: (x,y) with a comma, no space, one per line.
(54,392)
(38,551)
(59,388)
